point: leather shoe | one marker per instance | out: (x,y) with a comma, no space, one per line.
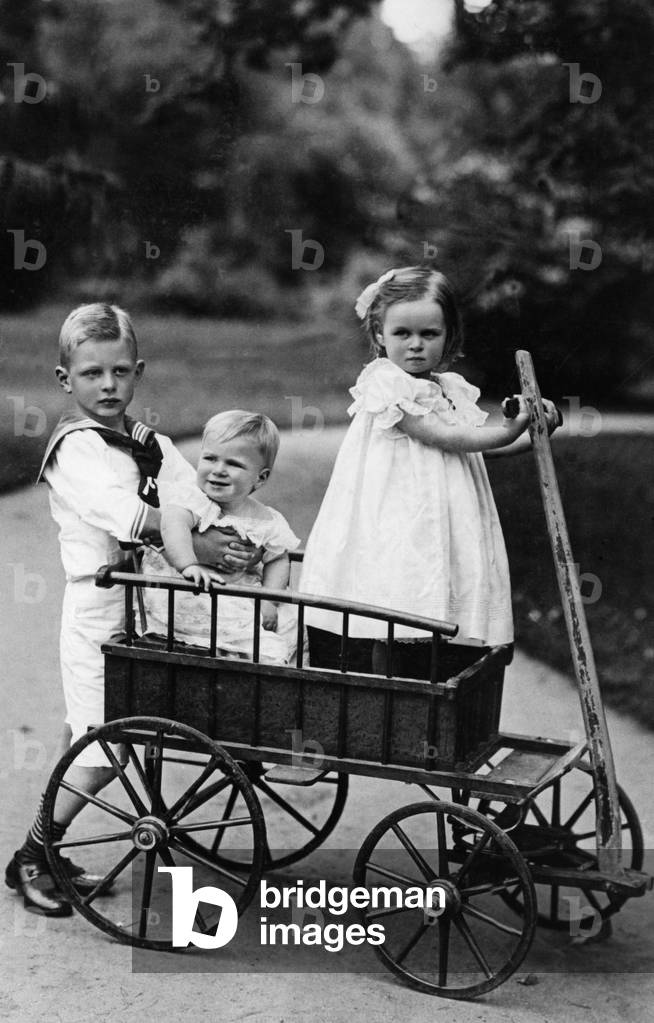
(83,881)
(36,885)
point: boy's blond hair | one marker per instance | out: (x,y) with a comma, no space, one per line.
(238,423)
(97,321)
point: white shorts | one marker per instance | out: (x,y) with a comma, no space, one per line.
(90,617)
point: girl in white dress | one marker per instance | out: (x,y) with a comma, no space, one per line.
(236,458)
(408,520)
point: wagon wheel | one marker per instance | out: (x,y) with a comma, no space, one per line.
(558,829)
(298,819)
(127,831)
(473,944)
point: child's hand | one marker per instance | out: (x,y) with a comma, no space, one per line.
(516,414)
(553,416)
(202,575)
(269,615)
(511,408)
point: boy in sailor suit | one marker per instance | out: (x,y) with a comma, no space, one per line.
(105,472)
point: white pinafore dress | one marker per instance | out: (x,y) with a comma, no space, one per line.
(407,526)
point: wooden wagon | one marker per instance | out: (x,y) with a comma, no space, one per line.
(239,767)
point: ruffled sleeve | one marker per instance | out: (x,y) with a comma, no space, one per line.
(388,393)
(269,529)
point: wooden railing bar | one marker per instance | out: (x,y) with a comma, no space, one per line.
(106,578)
(344,641)
(342,720)
(257,711)
(389,650)
(386,727)
(170,632)
(257,627)
(435,652)
(214,624)
(300,636)
(129,615)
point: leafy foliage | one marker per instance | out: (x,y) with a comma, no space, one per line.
(174,123)
(144,103)
(552,148)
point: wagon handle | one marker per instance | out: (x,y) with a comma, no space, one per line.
(511,407)
(608,832)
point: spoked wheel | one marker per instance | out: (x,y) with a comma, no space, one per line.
(298,819)
(557,829)
(470,945)
(142,821)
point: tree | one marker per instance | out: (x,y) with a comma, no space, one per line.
(543,200)
(143,100)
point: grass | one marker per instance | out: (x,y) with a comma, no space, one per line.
(197,367)
(608,495)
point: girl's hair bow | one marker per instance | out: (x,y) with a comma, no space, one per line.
(369,294)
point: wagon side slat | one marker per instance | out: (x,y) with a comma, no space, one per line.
(357,717)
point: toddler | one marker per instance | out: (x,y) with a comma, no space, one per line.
(237,455)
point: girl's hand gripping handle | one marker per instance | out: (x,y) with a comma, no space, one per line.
(511,407)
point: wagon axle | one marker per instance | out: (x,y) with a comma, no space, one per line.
(451,901)
(149,833)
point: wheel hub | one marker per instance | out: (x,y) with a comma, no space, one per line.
(149,833)
(452,900)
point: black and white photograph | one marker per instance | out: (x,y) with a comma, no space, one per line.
(327,426)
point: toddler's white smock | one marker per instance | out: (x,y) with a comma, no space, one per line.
(407,526)
(265,527)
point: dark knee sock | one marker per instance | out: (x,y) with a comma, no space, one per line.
(32,849)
